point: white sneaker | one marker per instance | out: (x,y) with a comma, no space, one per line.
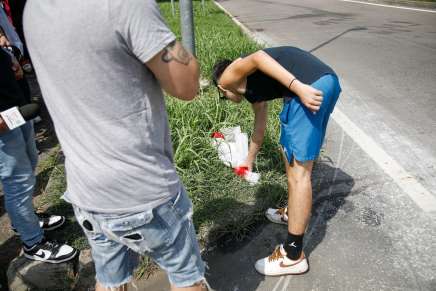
(278,264)
(50,252)
(277,215)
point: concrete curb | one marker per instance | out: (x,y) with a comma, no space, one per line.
(405,3)
(244,29)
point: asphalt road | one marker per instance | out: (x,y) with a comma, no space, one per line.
(386,58)
(373,225)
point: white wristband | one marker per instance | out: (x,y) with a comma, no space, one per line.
(12,118)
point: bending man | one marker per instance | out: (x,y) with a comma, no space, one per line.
(310,90)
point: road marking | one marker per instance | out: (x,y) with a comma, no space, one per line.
(286,284)
(244,29)
(278,283)
(424,199)
(390,6)
(421,196)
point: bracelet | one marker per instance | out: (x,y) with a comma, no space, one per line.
(289,87)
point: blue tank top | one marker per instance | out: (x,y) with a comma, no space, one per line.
(303,65)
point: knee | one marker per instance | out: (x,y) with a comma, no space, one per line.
(303,177)
(301,173)
(298,179)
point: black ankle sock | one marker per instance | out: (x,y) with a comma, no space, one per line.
(294,246)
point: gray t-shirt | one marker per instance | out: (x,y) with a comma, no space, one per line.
(107,107)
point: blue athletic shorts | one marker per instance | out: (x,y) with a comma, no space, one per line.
(302,132)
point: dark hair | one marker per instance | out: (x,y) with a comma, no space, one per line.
(218,69)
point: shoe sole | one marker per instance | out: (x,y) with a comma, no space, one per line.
(285,274)
(33,258)
(275,221)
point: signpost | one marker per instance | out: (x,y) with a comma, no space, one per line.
(187,25)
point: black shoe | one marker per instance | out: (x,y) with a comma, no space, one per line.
(48,222)
(49,252)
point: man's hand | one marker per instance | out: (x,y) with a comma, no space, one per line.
(309,96)
(16,67)
(4,41)
(3,126)
(248,164)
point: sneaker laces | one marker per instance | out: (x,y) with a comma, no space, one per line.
(44,218)
(282,211)
(52,246)
(276,255)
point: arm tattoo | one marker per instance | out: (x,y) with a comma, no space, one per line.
(178,54)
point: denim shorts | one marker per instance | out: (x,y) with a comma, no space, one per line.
(165,233)
(302,132)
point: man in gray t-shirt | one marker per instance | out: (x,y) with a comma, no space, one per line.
(101,65)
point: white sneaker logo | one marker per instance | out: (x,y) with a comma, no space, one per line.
(40,254)
(292,245)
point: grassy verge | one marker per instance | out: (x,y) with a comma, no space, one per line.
(223,204)
(51,202)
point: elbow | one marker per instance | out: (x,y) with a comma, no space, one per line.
(188,89)
(187,92)
(259,56)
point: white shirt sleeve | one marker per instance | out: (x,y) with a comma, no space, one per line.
(142,28)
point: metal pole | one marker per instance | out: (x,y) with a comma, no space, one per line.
(173,9)
(187,25)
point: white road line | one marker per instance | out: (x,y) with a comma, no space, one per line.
(245,29)
(286,284)
(390,6)
(278,283)
(421,196)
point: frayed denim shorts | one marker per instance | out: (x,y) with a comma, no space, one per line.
(302,132)
(165,233)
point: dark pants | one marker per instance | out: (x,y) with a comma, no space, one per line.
(17,9)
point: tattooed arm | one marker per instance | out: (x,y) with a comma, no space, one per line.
(176,70)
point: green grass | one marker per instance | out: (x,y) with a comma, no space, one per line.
(51,202)
(220,198)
